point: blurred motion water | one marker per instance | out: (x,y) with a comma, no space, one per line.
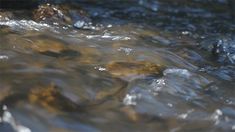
(118,65)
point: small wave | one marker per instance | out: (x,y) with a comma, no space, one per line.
(25,25)
(8,118)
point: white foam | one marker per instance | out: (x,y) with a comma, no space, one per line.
(25,25)
(8,118)
(178,72)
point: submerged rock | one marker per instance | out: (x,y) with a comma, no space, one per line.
(132,69)
(87,89)
(222,49)
(5,91)
(50,98)
(89,55)
(41,44)
(53,47)
(44,45)
(5,30)
(169,96)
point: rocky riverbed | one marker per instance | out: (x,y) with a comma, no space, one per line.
(117,65)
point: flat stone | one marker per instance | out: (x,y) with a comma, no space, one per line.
(125,69)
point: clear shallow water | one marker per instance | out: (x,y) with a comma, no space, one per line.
(141,66)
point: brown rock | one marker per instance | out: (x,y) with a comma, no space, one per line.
(51,13)
(59,14)
(126,69)
(5,15)
(130,113)
(50,98)
(43,45)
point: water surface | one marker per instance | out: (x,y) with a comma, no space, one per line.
(138,66)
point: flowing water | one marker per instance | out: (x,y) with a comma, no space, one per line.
(130,66)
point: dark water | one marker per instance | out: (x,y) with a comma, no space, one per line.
(146,65)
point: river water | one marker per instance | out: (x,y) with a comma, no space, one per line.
(146,65)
